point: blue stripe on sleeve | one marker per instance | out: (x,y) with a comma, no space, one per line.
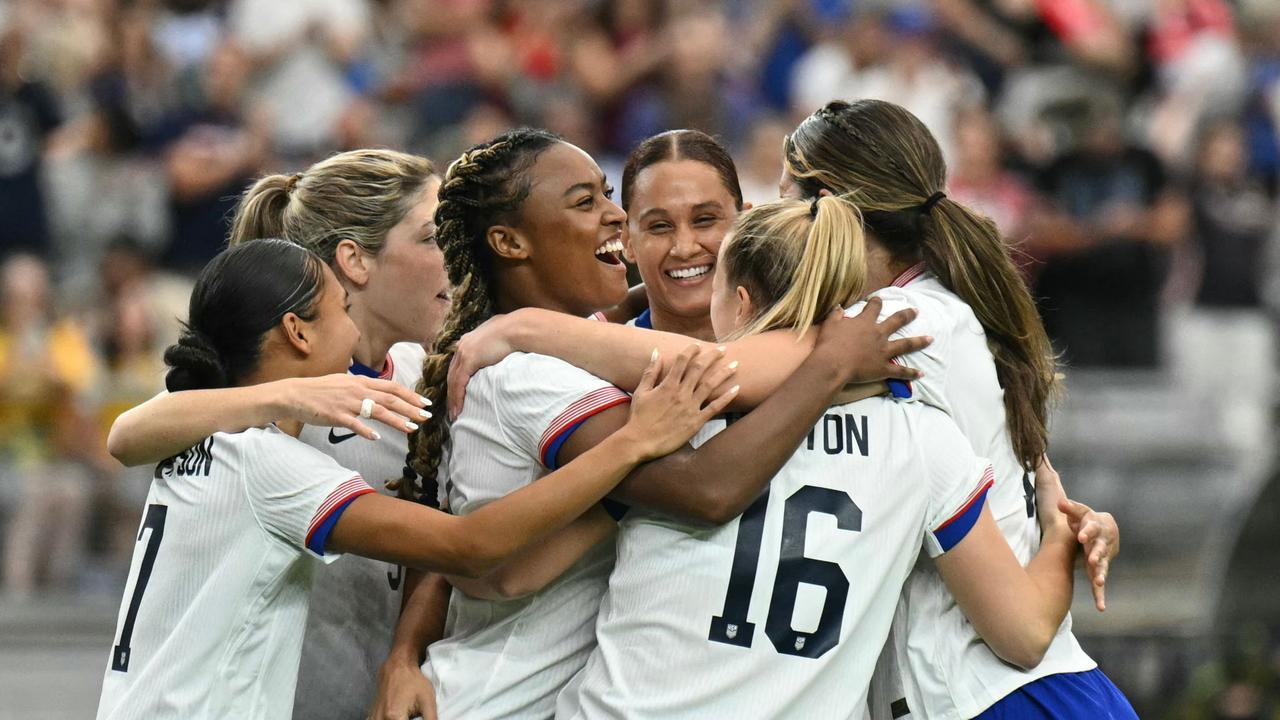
(955,529)
(899,388)
(549,456)
(321,535)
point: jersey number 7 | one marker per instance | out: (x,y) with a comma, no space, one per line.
(155,521)
(731,626)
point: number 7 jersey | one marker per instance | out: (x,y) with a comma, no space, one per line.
(783,611)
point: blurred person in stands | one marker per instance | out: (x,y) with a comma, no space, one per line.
(28,114)
(758,173)
(697,72)
(301,52)
(910,72)
(101,185)
(613,51)
(981,180)
(996,37)
(46,366)
(1232,217)
(837,66)
(1105,238)
(441,77)
(1200,69)
(126,337)
(213,151)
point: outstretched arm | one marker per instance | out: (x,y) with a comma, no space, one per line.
(715,483)
(169,423)
(663,417)
(618,353)
(534,568)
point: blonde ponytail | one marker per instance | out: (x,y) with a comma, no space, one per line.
(797,260)
(260,213)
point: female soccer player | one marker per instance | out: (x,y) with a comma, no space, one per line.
(525,220)
(953,265)
(960,374)
(809,576)
(369,215)
(211,623)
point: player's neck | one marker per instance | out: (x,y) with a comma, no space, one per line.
(375,340)
(698,328)
(882,267)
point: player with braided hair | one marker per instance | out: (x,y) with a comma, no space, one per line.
(526,220)
(888,159)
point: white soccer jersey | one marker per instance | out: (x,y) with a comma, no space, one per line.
(211,621)
(952,673)
(508,659)
(783,611)
(355,603)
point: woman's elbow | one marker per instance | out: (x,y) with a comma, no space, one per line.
(1028,651)
(120,448)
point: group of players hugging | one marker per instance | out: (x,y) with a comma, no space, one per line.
(424,453)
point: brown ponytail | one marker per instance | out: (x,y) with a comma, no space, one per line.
(889,159)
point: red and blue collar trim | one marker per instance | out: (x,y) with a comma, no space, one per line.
(359,368)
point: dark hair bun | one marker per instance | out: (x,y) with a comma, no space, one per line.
(193,364)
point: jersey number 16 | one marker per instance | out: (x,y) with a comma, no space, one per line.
(731,626)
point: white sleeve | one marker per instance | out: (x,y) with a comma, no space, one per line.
(297,492)
(958,481)
(544,399)
(932,319)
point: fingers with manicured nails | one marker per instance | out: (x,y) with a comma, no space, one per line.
(651,372)
(719,403)
(715,377)
(698,366)
(676,373)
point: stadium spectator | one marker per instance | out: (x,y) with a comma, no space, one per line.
(980,179)
(28,114)
(1105,259)
(46,366)
(1233,218)
(212,151)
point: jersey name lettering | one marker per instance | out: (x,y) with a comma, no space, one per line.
(196,461)
(841,434)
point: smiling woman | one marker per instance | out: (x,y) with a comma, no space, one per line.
(681,191)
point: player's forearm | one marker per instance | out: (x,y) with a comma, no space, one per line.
(1016,610)
(473,545)
(169,423)
(718,481)
(620,353)
(422,616)
(532,569)
(505,526)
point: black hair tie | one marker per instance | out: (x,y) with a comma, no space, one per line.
(813,208)
(934,199)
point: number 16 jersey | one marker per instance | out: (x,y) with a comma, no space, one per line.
(783,611)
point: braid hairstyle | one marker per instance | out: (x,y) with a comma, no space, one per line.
(486,186)
(889,164)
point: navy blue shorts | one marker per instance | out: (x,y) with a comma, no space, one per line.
(1066,696)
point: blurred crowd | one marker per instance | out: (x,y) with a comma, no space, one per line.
(1128,150)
